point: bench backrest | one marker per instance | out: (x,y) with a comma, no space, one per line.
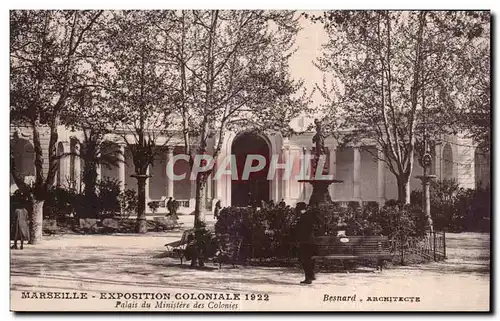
(185,234)
(165,220)
(160,219)
(110,222)
(49,224)
(87,223)
(356,245)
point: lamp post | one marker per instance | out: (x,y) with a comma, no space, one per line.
(425,162)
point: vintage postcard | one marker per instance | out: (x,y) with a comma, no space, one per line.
(250,160)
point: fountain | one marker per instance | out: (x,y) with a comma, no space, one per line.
(320,193)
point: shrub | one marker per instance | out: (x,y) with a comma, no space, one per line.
(272,232)
(128,202)
(108,196)
(153,206)
(265,232)
(354,220)
(21,200)
(60,202)
(457,209)
(201,244)
(478,214)
(400,222)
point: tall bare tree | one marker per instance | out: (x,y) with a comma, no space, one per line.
(91,116)
(396,76)
(140,97)
(232,72)
(49,54)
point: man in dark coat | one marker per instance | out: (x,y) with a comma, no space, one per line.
(169,206)
(217,208)
(19,227)
(305,234)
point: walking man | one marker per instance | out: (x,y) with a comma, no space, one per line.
(305,230)
(169,206)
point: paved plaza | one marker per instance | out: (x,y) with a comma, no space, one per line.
(137,263)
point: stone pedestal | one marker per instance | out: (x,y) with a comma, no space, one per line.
(320,193)
(426,202)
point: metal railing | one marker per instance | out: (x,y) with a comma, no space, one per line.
(163,203)
(431,246)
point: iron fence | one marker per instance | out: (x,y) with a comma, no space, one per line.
(430,246)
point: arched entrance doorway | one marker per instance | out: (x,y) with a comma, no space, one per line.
(256,188)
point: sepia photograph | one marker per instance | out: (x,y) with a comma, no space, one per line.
(224,160)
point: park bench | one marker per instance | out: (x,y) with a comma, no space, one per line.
(49,226)
(110,225)
(88,225)
(346,248)
(166,223)
(229,251)
(177,247)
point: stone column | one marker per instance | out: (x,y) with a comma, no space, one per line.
(356,173)
(65,166)
(218,192)
(192,197)
(332,170)
(208,194)
(121,167)
(77,170)
(286,180)
(381,176)
(307,171)
(170,181)
(147,186)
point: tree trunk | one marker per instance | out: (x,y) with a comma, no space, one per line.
(199,218)
(141,225)
(200,200)
(403,189)
(90,181)
(36,222)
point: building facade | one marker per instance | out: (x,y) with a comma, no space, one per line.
(364,177)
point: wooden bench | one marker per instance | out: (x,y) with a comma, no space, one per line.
(229,251)
(353,247)
(166,223)
(177,247)
(110,224)
(49,226)
(88,225)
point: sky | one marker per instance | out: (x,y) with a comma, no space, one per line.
(309,41)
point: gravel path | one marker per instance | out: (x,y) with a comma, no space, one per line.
(129,263)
